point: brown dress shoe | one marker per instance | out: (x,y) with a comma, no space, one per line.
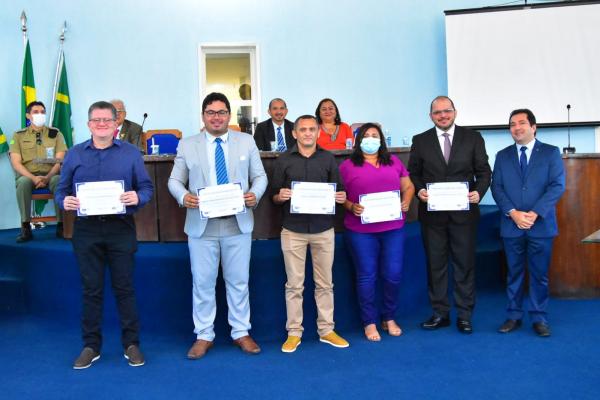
(247,344)
(199,349)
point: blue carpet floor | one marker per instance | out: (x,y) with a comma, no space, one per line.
(37,353)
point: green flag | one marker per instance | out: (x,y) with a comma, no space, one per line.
(62,106)
(3,144)
(27,85)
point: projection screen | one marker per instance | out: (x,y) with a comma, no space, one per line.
(538,57)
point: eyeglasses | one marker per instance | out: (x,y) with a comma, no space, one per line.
(38,138)
(120,111)
(220,113)
(440,112)
(103,120)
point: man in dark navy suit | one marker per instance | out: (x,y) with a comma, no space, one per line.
(449,153)
(276,129)
(528,181)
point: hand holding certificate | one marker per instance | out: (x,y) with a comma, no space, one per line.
(380,207)
(100,198)
(448,196)
(221,200)
(313,198)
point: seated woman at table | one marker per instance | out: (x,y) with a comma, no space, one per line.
(334,132)
(376,248)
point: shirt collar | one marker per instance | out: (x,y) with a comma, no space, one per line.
(449,131)
(89,144)
(275,126)
(211,139)
(528,145)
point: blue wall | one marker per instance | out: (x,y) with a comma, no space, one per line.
(381,61)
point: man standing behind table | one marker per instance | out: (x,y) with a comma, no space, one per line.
(528,181)
(215,157)
(449,153)
(306,162)
(276,129)
(127,130)
(35,141)
(110,239)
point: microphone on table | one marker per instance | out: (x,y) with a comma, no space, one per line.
(569,149)
(142,133)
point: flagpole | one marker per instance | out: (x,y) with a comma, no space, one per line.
(61,56)
(24,28)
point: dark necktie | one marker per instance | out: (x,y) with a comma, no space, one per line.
(220,166)
(523,161)
(280,142)
(447,146)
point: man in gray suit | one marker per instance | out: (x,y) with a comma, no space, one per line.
(218,156)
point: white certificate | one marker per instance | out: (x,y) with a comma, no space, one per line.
(380,207)
(313,198)
(221,200)
(448,196)
(100,198)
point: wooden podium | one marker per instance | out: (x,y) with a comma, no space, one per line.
(575,268)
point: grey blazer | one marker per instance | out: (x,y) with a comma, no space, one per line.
(191,172)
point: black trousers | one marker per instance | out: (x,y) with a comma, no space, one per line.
(99,242)
(444,244)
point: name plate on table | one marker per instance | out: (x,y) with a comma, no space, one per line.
(312,198)
(380,207)
(221,200)
(448,196)
(100,198)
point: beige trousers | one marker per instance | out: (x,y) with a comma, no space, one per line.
(322,247)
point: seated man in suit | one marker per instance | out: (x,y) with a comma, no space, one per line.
(127,131)
(35,141)
(528,181)
(275,129)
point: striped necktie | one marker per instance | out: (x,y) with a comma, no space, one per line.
(221,168)
(280,142)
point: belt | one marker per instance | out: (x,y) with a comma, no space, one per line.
(104,218)
(225,217)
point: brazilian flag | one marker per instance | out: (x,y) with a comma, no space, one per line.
(62,106)
(3,144)
(27,85)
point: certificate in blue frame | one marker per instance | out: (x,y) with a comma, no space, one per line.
(203,215)
(392,218)
(83,212)
(316,209)
(459,206)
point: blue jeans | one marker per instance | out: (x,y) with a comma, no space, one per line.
(377,254)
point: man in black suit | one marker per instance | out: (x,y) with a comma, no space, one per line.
(276,129)
(449,153)
(127,131)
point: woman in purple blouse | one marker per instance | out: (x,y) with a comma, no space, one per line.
(376,248)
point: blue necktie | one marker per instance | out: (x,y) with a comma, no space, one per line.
(280,142)
(220,163)
(523,161)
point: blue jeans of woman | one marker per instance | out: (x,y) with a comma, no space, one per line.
(377,255)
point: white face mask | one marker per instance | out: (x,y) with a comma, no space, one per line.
(38,119)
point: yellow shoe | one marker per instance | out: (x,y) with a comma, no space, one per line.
(291,344)
(335,340)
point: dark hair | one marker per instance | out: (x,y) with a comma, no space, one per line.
(383,155)
(102,105)
(338,119)
(33,104)
(530,116)
(214,96)
(300,118)
(441,98)
(277,99)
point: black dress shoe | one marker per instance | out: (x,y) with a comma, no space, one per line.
(435,322)
(541,329)
(464,326)
(510,325)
